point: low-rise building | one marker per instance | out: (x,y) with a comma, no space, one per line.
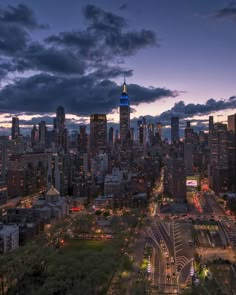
(113,182)
(52,207)
(10,237)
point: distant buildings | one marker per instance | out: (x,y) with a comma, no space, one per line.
(174,129)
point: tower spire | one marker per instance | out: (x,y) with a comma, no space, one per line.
(124,85)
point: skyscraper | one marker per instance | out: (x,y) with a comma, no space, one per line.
(159,130)
(174,129)
(232,150)
(124,115)
(219,159)
(111,136)
(211,123)
(98,133)
(175,178)
(83,139)
(188,149)
(150,133)
(42,134)
(141,126)
(15,129)
(61,133)
(60,119)
(34,136)
(232,123)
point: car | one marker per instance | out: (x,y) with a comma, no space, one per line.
(168,277)
(173,275)
(167,265)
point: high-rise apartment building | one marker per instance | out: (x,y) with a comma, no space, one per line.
(174,129)
(188,149)
(232,150)
(159,130)
(141,130)
(219,158)
(42,134)
(15,129)
(34,136)
(83,139)
(211,124)
(175,178)
(151,133)
(111,136)
(98,133)
(232,123)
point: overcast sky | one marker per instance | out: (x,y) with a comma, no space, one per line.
(178,56)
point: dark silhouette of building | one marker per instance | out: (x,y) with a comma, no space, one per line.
(111,136)
(61,118)
(174,129)
(61,133)
(83,139)
(15,129)
(34,136)
(188,149)
(98,133)
(175,179)
(42,134)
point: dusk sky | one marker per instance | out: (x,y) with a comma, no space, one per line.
(179,58)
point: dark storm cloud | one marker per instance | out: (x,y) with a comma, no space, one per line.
(15,23)
(227,12)
(101,19)
(111,72)
(20,15)
(43,93)
(105,38)
(13,39)
(182,110)
(50,59)
(189,110)
(99,49)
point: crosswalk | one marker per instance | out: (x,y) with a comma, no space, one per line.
(181,261)
(178,238)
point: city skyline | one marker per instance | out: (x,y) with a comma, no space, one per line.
(61,63)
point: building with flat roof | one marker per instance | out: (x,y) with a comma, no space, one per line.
(10,237)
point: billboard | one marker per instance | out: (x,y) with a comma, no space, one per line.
(192,182)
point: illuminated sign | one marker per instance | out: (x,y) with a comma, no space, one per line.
(192,182)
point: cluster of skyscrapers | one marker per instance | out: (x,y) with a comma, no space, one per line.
(83,164)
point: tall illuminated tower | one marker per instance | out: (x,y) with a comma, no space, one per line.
(124,115)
